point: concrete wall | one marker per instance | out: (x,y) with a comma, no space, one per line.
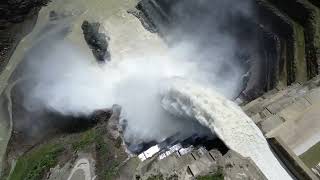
(292,162)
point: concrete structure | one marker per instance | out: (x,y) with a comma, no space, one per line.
(292,162)
(291,116)
(199,162)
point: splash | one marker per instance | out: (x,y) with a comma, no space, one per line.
(60,78)
(186,99)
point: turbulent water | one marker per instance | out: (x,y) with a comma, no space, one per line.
(226,119)
(132,78)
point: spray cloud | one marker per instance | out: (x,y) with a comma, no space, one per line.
(64,80)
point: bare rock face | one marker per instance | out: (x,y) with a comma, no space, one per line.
(96,41)
(16,10)
(287,32)
(145,21)
(90,140)
(17,18)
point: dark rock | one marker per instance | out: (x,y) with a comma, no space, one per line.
(96,41)
(101,115)
(145,21)
(17,18)
(56,15)
(53,15)
(16,11)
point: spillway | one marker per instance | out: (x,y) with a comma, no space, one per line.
(224,118)
(182,98)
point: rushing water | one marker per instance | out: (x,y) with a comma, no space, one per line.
(226,119)
(186,99)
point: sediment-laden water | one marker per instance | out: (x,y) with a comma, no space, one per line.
(226,119)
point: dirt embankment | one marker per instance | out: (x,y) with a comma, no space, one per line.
(17,18)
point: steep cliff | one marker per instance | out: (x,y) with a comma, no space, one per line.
(17,18)
(284,34)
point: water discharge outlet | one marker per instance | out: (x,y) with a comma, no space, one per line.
(157,89)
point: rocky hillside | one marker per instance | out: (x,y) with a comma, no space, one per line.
(17,18)
(287,32)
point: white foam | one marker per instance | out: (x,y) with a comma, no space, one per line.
(226,119)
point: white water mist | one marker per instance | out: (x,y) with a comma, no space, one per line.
(64,79)
(188,99)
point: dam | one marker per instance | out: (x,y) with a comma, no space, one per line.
(227,120)
(153,89)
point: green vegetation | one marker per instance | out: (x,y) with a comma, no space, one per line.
(110,168)
(217,176)
(109,154)
(102,147)
(107,162)
(156,177)
(118,142)
(33,165)
(109,171)
(312,157)
(86,139)
(173,177)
